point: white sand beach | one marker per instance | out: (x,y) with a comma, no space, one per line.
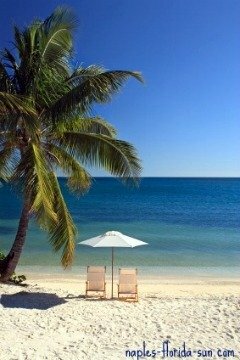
(50,319)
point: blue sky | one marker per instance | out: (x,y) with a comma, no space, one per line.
(185,119)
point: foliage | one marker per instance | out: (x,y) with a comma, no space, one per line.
(46,123)
(16,279)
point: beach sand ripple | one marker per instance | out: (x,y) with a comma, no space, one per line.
(53,321)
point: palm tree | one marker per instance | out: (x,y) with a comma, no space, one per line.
(46,125)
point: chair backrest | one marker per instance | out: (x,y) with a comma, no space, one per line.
(96,278)
(127,280)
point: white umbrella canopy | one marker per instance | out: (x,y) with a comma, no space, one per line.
(113,239)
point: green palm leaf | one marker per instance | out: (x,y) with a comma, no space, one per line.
(97,88)
(8,161)
(31,125)
(95,125)
(56,36)
(115,156)
(79,180)
(44,195)
(63,233)
(32,175)
(14,104)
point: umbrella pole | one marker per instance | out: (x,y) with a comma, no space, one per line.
(112,270)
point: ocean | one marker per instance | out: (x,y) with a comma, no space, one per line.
(191,225)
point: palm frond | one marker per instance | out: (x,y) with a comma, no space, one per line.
(98,88)
(56,36)
(10,59)
(31,126)
(27,45)
(43,202)
(95,125)
(19,41)
(80,74)
(79,181)
(50,85)
(115,156)
(32,176)
(63,233)
(5,80)
(14,104)
(8,161)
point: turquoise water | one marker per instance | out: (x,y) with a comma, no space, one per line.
(188,223)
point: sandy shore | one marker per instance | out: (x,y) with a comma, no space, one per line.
(50,319)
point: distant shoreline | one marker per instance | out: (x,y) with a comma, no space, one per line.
(147,273)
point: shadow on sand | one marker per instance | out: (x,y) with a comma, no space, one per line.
(30,300)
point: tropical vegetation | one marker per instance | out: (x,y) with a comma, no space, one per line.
(14,278)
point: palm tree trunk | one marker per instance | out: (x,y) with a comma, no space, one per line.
(8,265)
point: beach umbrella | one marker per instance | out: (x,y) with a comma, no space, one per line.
(113,239)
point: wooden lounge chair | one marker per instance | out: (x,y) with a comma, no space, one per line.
(95,283)
(127,288)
